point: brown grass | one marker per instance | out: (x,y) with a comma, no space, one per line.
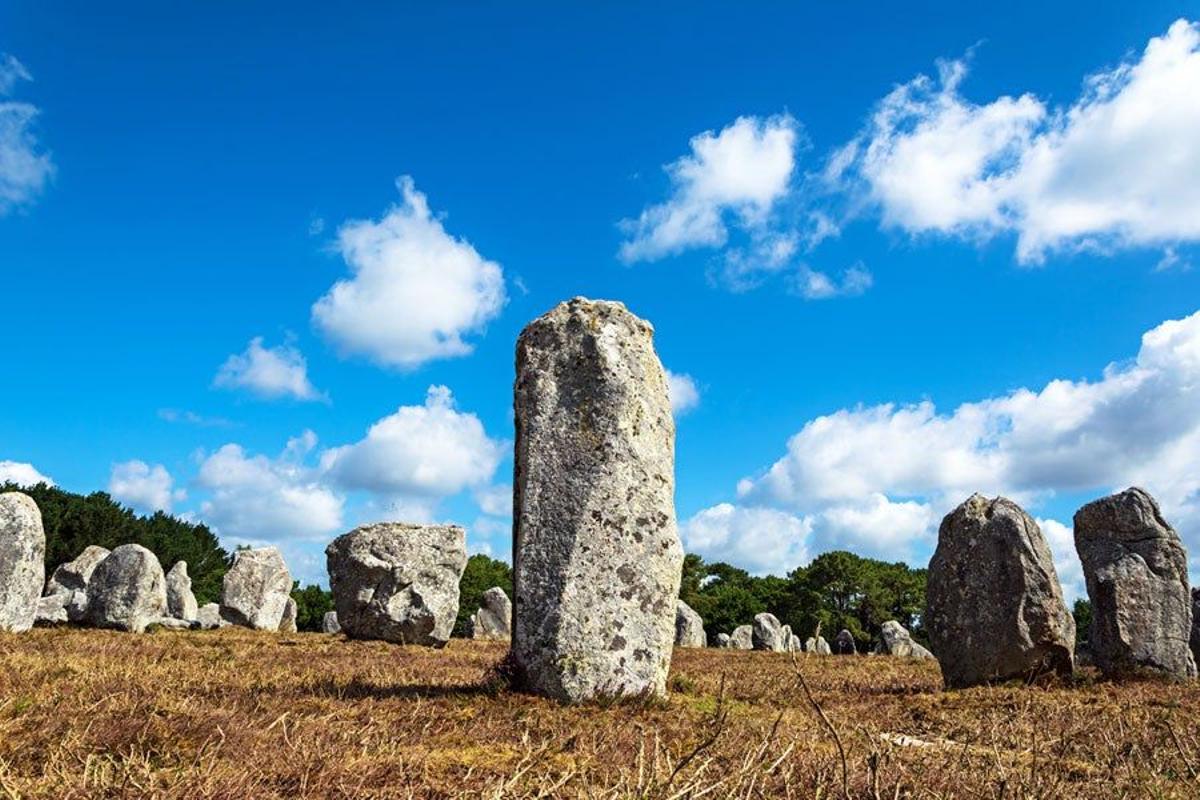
(234,713)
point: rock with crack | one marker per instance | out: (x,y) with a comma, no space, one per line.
(493,620)
(689,627)
(22,561)
(256,589)
(895,640)
(127,590)
(181,603)
(70,581)
(767,634)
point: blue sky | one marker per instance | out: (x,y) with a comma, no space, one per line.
(892,256)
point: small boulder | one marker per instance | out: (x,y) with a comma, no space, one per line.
(71,580)
(689,627)
(1136,571)
(742,638)
(723,641)
(895,640)
(817,645)
(51,610)
(181,603)
(493,620)
(256,589)
(22,561)
(796,645)
(767,633)
(287,622)
(843,643)
(209,617)
(330,623)
(175,624)
(127,590)
(397,581)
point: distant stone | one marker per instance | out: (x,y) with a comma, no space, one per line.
(256,589)
(742,638)
(209,617)
(127,590)
(1194,641)
(689,627)
(330,623)
(994,609)
(817,646)
(398,582)
(597,556)
(796,645)
(1136,571)
(176,624)
(51,610)
(723,641)
(493,620)
(71,580)
(181,603)
(22,561)
(767,634)
(287,622)
(895,640)
(843,643)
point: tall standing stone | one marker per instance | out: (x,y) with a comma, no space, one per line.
(256,589)
(287,623)
(767,634)
(22,561)
(329,624)
(596,552)
(493,620)
(1136,571)
(397,581)
(689,627)
(127,590)
(181,603)
(994,607)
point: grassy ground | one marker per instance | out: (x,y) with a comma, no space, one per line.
(233,713)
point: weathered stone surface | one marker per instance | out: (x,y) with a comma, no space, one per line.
(1194,642)
(723,641)
(256,589)
(181,603)
(22,556)
(843,643)
(493,620)
(176,624)
(796,645)
(127,590)
(895,640)
(209,617)
(596,554)
(70,580)
(1136,571)
(817,646)
(742,638)
(767,634)
(398,582)
(51,610)
(994,608)
(330,623)
(689,627)
(287,623)
(785,636)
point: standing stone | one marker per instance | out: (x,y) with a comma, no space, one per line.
(256,589)
(742,638)
(723,641)
(796,645)
(70,581)
(1194,642)
(493,620)
(785,636)
(1136,572)
(181,603)
(127,590)
(843,643)
(767,634)
(397,581)
(596,552)
(895,640)
(209,617)
(689,627)
(287,623)
(994,608)
(22,561)
(817,646)
(330,623)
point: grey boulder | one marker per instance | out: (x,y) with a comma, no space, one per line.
(843,643)
(817,646)
(397,581)
(723,641)
(689,627)
(1136,571)
(287,623)
(176,624)
(329,624)
(256,589)
(767,634)
(994,609)
(127,590)
(22,561)
(742,638)
(70,580)
(1194,641)
(895,640)
(181,603)
(51,610)
(209,617)
(493,620)
(596,550)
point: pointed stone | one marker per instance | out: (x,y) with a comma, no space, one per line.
(181,603)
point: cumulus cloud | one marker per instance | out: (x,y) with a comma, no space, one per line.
(682,390)
(415,294)
(1119,167)
(495,500)
(431,450)
(760,540)
(1061,539)
(270,372)
(22,474)
(25,167)
(814,285)
(144,487)
(734,176)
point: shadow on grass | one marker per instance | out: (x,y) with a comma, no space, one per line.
(357,689)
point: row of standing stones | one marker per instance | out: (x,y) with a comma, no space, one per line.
(597,556)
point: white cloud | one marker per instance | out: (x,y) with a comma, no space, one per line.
(144,487)
(22,474)
(814,285)
(495,500)
(682,390)
(760,540)
(423,451)
(1061,539)
(875,527)
(1119,167)
(24,166)
(270,372)
(415,292)
(737,174)
(259,499)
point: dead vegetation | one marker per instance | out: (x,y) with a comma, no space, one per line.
(233,713)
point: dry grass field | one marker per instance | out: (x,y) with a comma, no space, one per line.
(234,713)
